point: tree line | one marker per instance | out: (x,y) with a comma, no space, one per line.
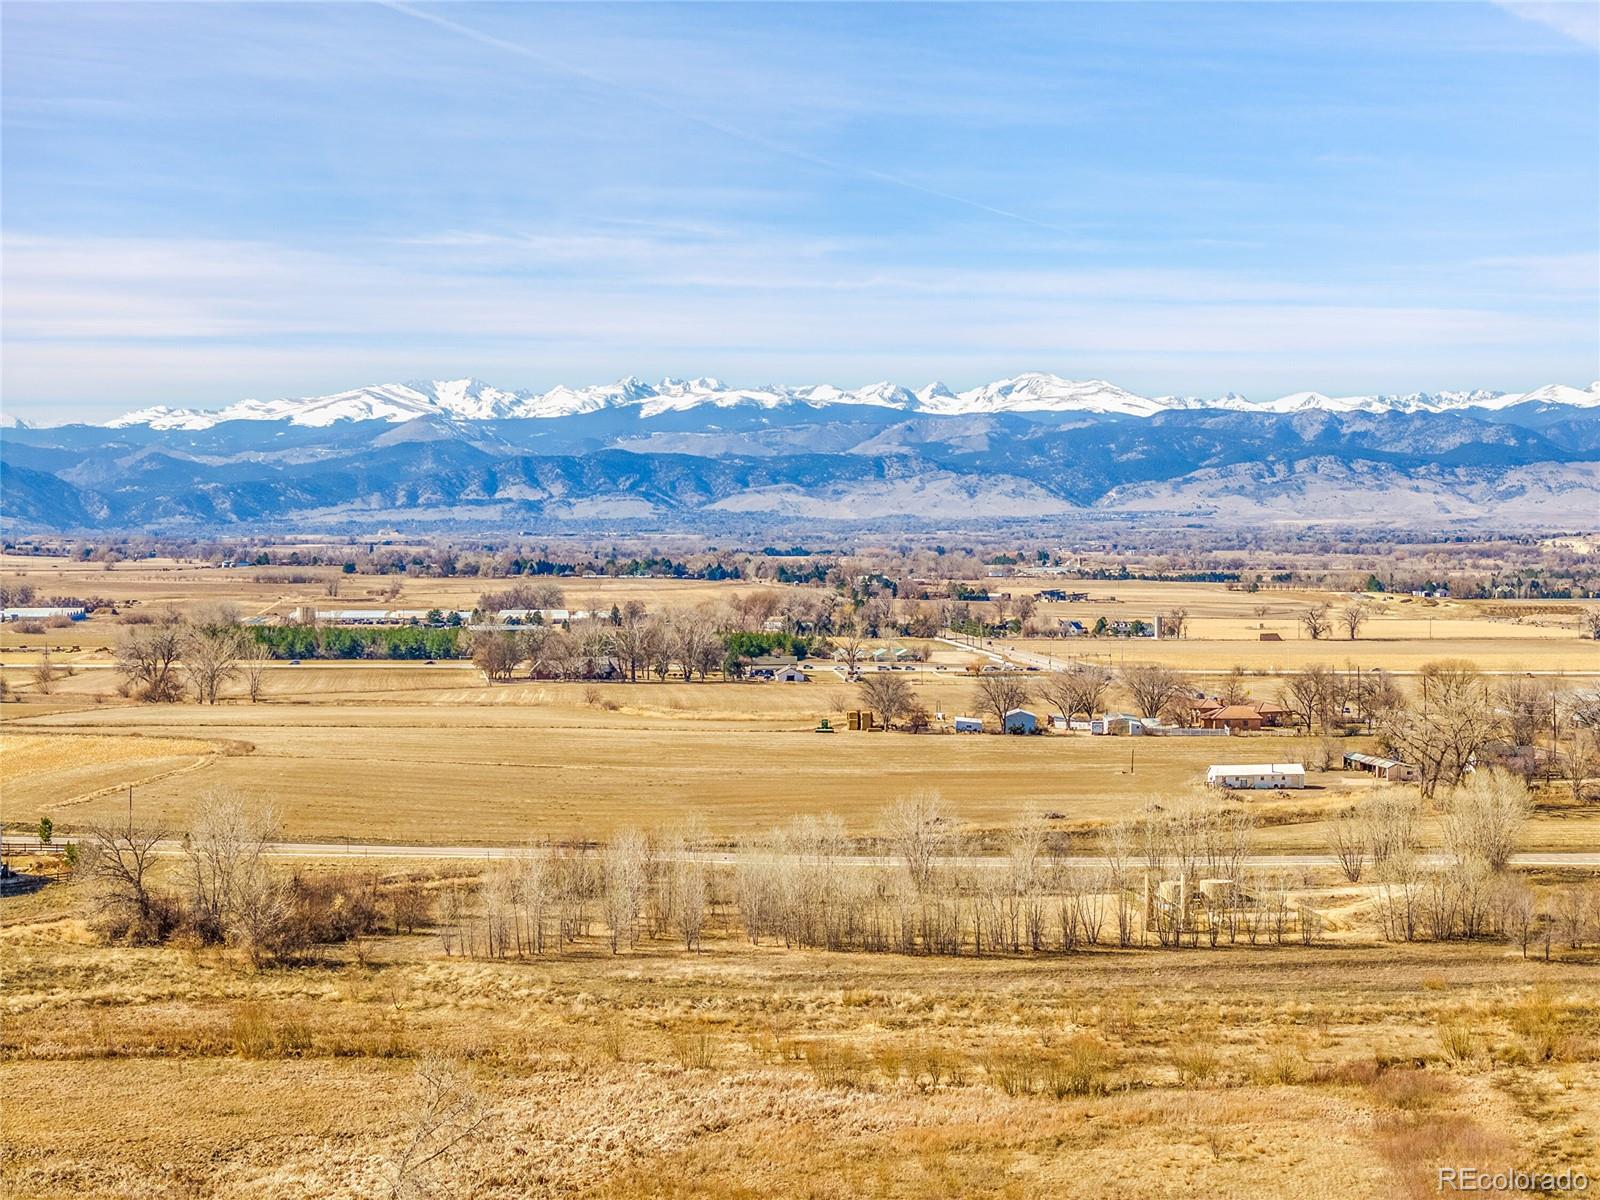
(1173,875)
(405,642)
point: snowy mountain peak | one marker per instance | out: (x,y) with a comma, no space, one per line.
(162,416)
(472,399)
(1038,392)
(1551,393)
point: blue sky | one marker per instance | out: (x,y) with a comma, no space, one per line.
(207,202)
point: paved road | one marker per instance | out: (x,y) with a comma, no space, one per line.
(1263,862)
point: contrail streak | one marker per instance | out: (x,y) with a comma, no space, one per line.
(731,131)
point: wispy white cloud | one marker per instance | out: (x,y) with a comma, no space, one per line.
(1578,20)
(115,322)
(1572,274)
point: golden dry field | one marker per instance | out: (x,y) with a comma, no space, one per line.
(1335,1072)
(1224,630)
(479,764)
(407,753)
(534,760)
(59,774)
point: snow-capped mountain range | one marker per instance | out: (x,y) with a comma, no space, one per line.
(701,454)
(474,400)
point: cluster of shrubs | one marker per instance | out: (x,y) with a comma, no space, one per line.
(225,893)
(300,913)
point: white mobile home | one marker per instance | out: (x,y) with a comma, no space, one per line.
(969,725)
(1257,776)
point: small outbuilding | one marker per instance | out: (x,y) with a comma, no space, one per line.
(790,675)
(1391,770)
(1020,720)
(969,724)
(1257,776)
(1118,725)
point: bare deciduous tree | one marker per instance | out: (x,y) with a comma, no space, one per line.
(1081,688)
(917,827)
(1313,695)
(1443,730)
(1483,819)
(1353,616)
(1528,708)
(631,640)
(627,875)
(1316,622)
(1399,896)
(210,654)
(689,901)
(1390,824)
(147,659)
(998,694)
(1117,847)
(888,695)
(1150,686)
(44,674)
(117,864)
(1234,689)
(1373,694)
(448,1113)
(233,897)
(1347,838)
(253,667)
(850,648)
(496,652)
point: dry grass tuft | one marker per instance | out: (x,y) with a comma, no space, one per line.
(1082,1066)
(1411,1090)
(693,1049)
(1459,1044)
(259,1032)
(1197,1063)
